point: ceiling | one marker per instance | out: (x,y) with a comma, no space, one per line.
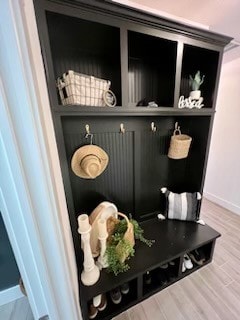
(221,16)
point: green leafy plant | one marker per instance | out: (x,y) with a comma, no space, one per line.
(114,263)
(196,82)
(118,246)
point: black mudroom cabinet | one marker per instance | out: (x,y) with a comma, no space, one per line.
(146,58)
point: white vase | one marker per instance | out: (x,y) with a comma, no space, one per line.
(195,94)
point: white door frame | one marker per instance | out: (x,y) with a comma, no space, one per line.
(32,199)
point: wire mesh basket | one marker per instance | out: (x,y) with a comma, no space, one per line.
(78,88)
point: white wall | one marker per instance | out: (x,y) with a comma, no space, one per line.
(223,174)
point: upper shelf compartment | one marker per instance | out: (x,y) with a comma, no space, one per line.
(86,47)
(151,69)
(206,61)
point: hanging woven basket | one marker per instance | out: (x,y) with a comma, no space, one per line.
(128,236)
(179,145)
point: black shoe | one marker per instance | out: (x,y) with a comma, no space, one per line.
(92,311)
(103,303)
(170,275)
(162,278)
(116,295)
(164,266)
(147,278)
(198,257)
(125,288)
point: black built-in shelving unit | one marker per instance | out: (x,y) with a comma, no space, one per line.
(144,57)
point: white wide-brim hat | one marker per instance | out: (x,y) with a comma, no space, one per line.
(89,161)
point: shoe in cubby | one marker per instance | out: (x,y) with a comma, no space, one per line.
(92,311)
(116,295)
(147,278)
(187,262)
(197,256)
(125,288)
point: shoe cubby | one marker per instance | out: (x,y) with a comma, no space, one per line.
(87,47)
(151,70)
(203,60)
(118,300)
(160,277)
(199,257)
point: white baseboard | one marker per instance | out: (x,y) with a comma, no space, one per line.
(221,202)
(10,295)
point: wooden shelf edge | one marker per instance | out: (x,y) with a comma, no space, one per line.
(122,111)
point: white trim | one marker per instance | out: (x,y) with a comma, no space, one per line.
(32,200)
(222,202)
(160,13)
(46,129)
(10,294)
(15,207)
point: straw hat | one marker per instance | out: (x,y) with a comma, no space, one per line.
(89,161)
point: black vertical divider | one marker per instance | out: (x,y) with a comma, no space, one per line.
(180,266)
(140,287)
(212,250)
(178,73)
(124,65)
(137,184)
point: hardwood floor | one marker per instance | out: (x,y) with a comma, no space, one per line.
(212,292)
(16,310)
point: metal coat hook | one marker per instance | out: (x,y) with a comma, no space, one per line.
(177,127)
(87,128)
(153,127)
(88,133)
(122,129)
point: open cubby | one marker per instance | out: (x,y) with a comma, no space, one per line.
(205,251)
(146,58)
(203,60)
(160,277)
(86,47)
(126,300)
(151,69)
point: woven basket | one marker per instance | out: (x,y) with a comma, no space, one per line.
(179,145)
(128,236)
(78,88)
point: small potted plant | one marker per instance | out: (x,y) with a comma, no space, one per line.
(195,84)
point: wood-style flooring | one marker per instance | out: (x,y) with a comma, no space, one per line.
(16,310)
(211,293)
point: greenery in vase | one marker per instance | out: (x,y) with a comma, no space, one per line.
(113,256)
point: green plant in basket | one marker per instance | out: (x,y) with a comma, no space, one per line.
(120,246)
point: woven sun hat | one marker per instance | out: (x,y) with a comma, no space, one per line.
(89,161)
